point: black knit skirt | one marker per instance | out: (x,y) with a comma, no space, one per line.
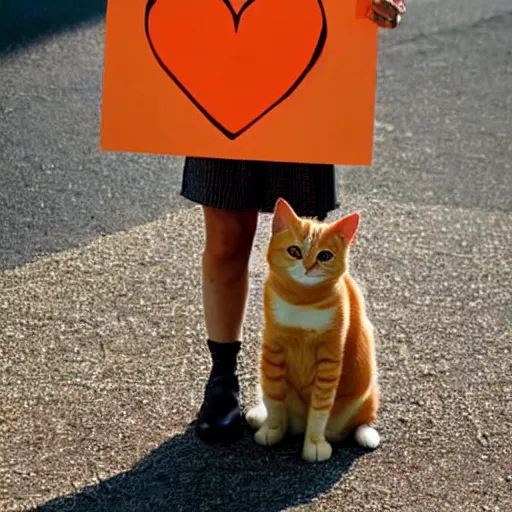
(239,184)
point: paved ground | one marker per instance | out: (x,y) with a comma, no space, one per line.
(101,352)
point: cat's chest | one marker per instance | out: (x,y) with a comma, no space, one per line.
(300,317)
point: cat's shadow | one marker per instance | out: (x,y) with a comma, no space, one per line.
(183,474)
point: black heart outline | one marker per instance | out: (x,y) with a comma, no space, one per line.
(236,19)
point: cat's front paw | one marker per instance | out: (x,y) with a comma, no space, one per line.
(316,452)
(267,436)
(256,416)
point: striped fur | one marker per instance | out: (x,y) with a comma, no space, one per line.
(318,370)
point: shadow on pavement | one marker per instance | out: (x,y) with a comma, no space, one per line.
(23,21)
(184,474)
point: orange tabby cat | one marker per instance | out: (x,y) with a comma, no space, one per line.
(318,369)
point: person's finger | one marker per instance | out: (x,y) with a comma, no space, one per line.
(384,20)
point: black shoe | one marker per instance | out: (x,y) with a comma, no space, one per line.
(220,417)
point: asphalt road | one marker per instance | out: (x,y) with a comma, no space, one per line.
(102,359)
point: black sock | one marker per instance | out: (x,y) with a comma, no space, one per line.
(224,357)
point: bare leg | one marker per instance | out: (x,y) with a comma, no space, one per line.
(229,239)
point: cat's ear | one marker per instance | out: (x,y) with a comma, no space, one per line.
(284,216)
(346,227)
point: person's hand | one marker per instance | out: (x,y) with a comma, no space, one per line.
(387,13)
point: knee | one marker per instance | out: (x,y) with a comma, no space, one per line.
(229,240)
(229,245)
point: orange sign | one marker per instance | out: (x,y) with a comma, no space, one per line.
(279,80)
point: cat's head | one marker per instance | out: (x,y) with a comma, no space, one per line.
(306,251)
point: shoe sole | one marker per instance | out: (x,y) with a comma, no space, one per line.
(227,435)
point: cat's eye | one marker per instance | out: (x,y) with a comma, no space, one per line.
(294,252)
(325,256)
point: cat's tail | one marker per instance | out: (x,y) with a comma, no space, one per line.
(367,437)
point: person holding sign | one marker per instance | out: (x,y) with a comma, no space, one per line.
(232,193)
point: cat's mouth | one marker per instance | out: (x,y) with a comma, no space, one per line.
(305,277)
